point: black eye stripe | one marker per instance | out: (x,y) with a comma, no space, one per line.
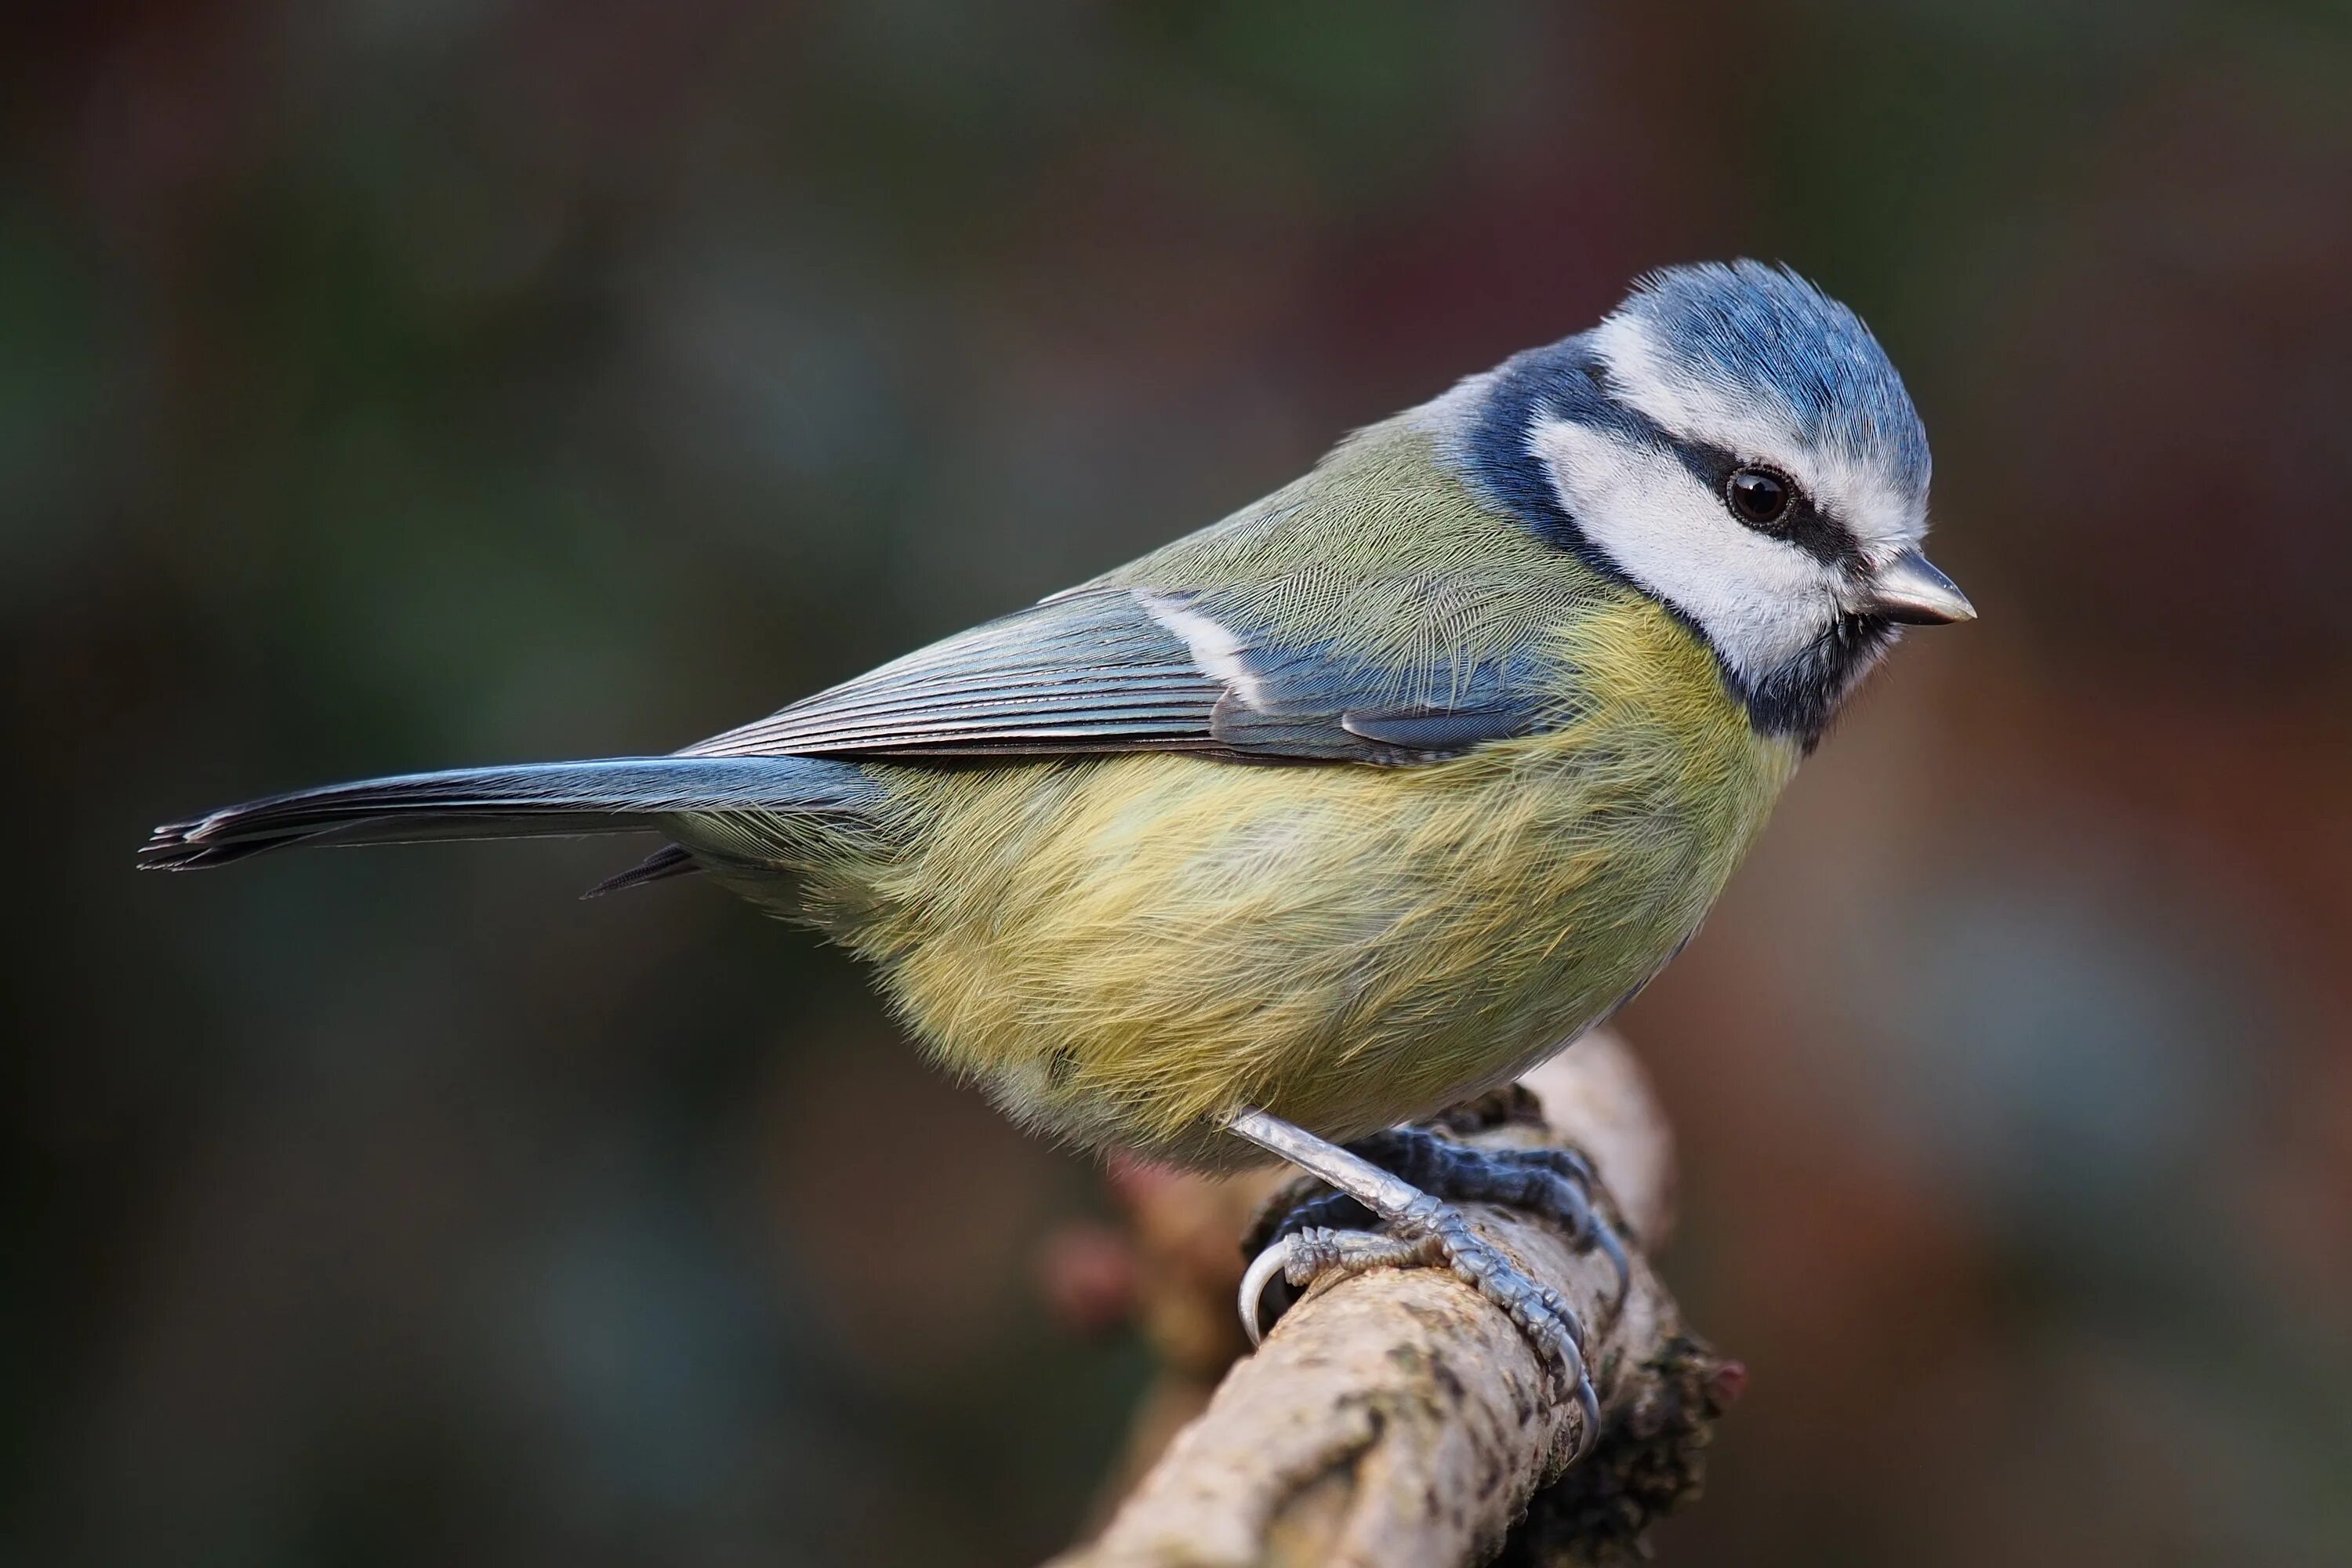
(1578,389)
(1805,525)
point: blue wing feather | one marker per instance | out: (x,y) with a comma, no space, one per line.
(1099,669)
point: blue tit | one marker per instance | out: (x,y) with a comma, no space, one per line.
(1347,807)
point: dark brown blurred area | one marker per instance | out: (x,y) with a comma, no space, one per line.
(387,383)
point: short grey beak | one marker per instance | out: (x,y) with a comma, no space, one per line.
(1910,590)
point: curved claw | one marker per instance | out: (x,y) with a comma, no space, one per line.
(1300,1255)
(1589,1403)
(1563,1340)
(1404,1177)
(1550,1323)
(1273,1260)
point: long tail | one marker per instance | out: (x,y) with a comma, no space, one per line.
(615,795)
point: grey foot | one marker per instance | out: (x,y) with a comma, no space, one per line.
(1434,1234)
(1553,1184)
(1419,1228)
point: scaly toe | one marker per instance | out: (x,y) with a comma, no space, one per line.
(1304,1256)
(1549,1323)
(1431,1233)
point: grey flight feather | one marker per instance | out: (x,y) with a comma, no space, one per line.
(1112,668)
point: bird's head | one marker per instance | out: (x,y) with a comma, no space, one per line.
(1735,443)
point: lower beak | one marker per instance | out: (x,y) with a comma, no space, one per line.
(1910,590)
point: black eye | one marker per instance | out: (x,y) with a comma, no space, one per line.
(1758,497)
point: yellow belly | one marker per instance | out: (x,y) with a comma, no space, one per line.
(1124,950)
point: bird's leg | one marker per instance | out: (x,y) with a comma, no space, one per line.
(1419,1228)
(1553,1184)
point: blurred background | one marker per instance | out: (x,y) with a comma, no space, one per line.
(393,383)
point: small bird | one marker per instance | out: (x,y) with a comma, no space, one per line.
(1350,807)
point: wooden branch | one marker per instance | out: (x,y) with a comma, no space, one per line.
(1396,1417)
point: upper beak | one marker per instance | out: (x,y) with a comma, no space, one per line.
(1909,589)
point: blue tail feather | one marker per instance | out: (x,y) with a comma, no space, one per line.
(614,795)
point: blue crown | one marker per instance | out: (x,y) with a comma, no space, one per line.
(1752,329)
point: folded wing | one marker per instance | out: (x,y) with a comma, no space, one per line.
(1113,668)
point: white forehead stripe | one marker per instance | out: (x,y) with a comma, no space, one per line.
(1759,599)
(1757,426)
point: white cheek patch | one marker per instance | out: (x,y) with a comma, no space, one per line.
(1756,428)
(1759,599)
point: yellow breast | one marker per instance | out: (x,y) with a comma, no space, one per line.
(1125,949)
